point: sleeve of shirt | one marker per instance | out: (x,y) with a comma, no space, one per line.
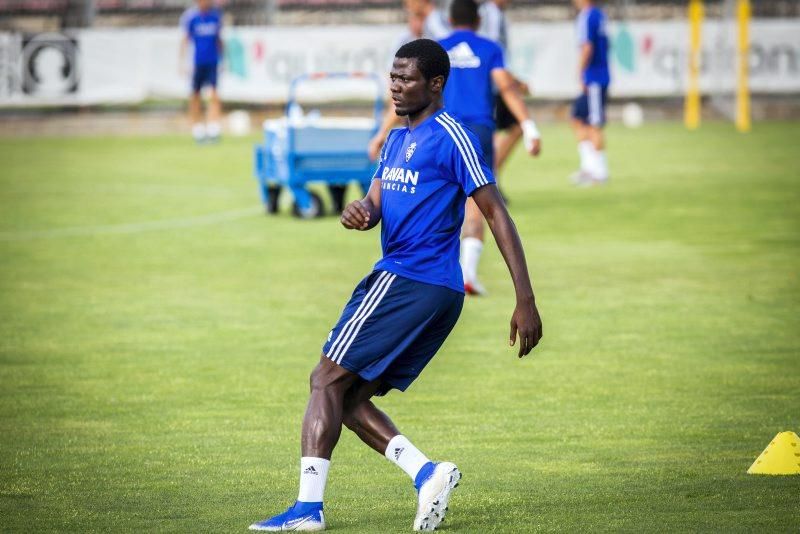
(186,22)
(582,27)
(464,156)
(592,27)
(497,61)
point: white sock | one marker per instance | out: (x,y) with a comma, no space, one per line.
(214,129)
(601,165)
(313,476)
(471,248)
(405,455)
(586,152)
(199,130)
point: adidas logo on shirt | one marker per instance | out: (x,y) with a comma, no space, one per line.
(462,57)
(310,471)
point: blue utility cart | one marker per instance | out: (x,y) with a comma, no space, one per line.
(302,149)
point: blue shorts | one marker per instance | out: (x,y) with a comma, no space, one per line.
(391,328)
(485,136)
(590,107)
(204,75)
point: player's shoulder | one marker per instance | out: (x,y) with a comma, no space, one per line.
(485,44)
(595,14)
(391,138)
(449,133)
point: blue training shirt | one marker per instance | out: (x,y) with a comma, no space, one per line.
(468,93)
(591,26)
(426,175)
(203,28)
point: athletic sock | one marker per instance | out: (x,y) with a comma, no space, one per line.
(586,153)
(313,476)
(214,129)
(199,131)
(601,165)
(406,456)
(471,248)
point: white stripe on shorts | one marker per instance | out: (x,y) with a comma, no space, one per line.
(374,304)
(355,316)
(595,104)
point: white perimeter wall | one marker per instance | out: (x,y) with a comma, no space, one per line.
(98,66)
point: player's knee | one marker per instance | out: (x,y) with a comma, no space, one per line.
(324,378)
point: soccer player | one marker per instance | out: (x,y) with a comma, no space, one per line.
(477,65)
(401,313)
(589,109)
(202,25)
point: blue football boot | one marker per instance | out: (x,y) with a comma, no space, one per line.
(305,516)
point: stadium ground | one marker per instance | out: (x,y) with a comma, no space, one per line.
(157,334)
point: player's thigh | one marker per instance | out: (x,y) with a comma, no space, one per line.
(405,369)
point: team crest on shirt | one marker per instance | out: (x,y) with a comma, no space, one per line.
(410,150)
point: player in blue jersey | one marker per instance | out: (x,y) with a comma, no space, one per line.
(589,109)
(401,313)
(477,65)
(202,26)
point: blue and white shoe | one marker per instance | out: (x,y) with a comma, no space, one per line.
(434,483)
(305,516)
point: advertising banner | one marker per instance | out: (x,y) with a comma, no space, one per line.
(107,66)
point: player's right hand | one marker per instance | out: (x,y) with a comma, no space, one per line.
(355,216)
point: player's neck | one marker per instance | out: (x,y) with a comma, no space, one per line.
(420,117)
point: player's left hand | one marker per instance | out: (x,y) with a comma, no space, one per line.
(526,322)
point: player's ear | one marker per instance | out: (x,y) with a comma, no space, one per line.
(436,84)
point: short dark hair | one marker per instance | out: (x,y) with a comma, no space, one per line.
(432,60)
(464,13)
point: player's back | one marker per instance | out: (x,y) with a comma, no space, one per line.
(468,93)
(591,26)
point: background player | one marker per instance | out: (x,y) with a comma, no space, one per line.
(477,64)
(202,25)
(401,313)
(589,109)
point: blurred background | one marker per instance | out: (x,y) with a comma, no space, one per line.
(157,328)
(118,59)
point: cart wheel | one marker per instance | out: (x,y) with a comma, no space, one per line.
(274,193)
(314,211)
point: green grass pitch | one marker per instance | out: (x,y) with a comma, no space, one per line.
(157,333)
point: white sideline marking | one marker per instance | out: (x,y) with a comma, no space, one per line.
(132,228)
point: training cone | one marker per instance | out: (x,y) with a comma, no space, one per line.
(781,457)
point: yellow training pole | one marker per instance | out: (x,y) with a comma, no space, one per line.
(743,66)
(691,111)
